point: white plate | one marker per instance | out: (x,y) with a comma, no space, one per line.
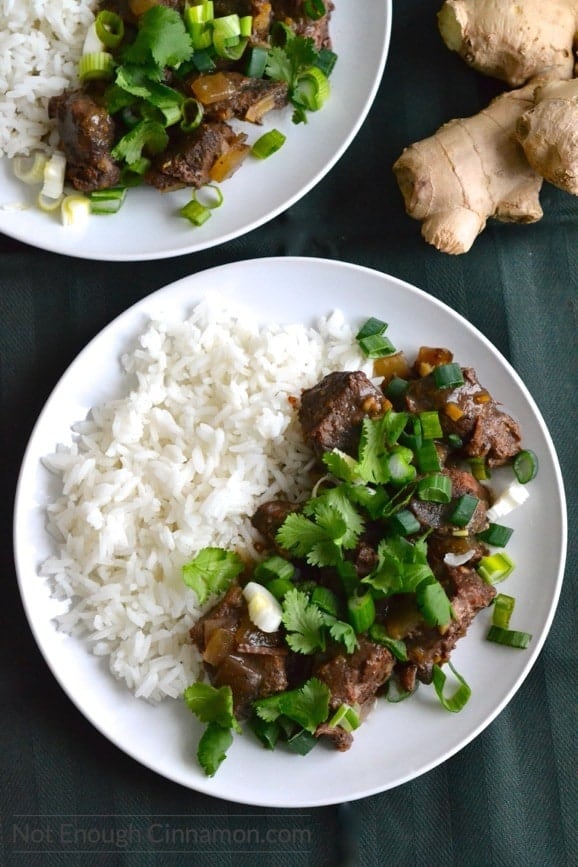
(164,738)
(149,227)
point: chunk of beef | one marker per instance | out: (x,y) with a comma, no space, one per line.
(470,412)
(243,97)
(436,515)
(237,654)
(269,517)
(356,678)
(469,594)
(336,735)
(87,133)
(331,413)
(188,160)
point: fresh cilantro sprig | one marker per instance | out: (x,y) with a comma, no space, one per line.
(308,705)
(215,708)
(211,572)
(292,63)
(161,41)
(307,625)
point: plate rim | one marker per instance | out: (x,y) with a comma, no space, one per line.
(141,307)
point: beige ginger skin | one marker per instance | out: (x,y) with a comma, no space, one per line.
(513,40)
(469,170)
(548,133)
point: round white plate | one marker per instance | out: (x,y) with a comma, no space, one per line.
(149,226)
(164,738)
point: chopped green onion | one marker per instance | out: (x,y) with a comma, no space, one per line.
(246,25)
(192,114)
(411,435)
(257,62)
(525,466)
(404,523)
(326,60)
(109,28)
(99,65)
(435,488)
(74,210)
(496,534)
(346,717)
(311,89)
(431,428)
(495,567)
(107,201)
(479,469)
(428,459)
(30,170)
(503,609)
(509,637)
(203,62)
(361,611)
(371,327)
(325,599)
(376,346)
(460,698)
(378,633)
(278,587)
(396,388)
(454,441)
(268,144)
(448,375)
(400,469)
(302,742)
(274,567)
(197,212)
(463,510)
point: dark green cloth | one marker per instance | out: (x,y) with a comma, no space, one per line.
(510,797)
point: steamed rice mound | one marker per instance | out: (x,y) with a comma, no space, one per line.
(40,45)
(206,432)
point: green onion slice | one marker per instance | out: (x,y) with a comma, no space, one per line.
(257,62)
(30,170)
(463,510)
(428,459)
(495,567)
(346,717)
(311,89)
(378,633)
(192,114)
(404,523)
(268,144)
(460,697)
(525,466)
(509,637)
(503,609)
(431,428)
(273,567)
(448,375)
(361,611)
(396,388)
(198,212)
(96,66)
(496,534)
(479,469)
(435,488)
(109,28)
(107,201)
(314,9)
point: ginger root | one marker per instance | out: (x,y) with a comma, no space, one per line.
(548,134)
(469,170)
(513,40)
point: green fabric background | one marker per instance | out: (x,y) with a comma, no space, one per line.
(510,797)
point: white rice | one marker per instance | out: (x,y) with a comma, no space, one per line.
(40,44)
(179,463)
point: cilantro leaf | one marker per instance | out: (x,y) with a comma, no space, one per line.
(304,623)
(211,705)
(211,572)
(335,501)
(308,705)
(344,632)
(162,40)
(146,134)
(212,748)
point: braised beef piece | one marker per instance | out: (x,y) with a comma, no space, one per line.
(470,412)
(337,735)
(250,98)
(189,158)
(87,133)
(269,517)
(123,8)
(355,678)
(237,654)
(468,595)
(436,515)
(331,412)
